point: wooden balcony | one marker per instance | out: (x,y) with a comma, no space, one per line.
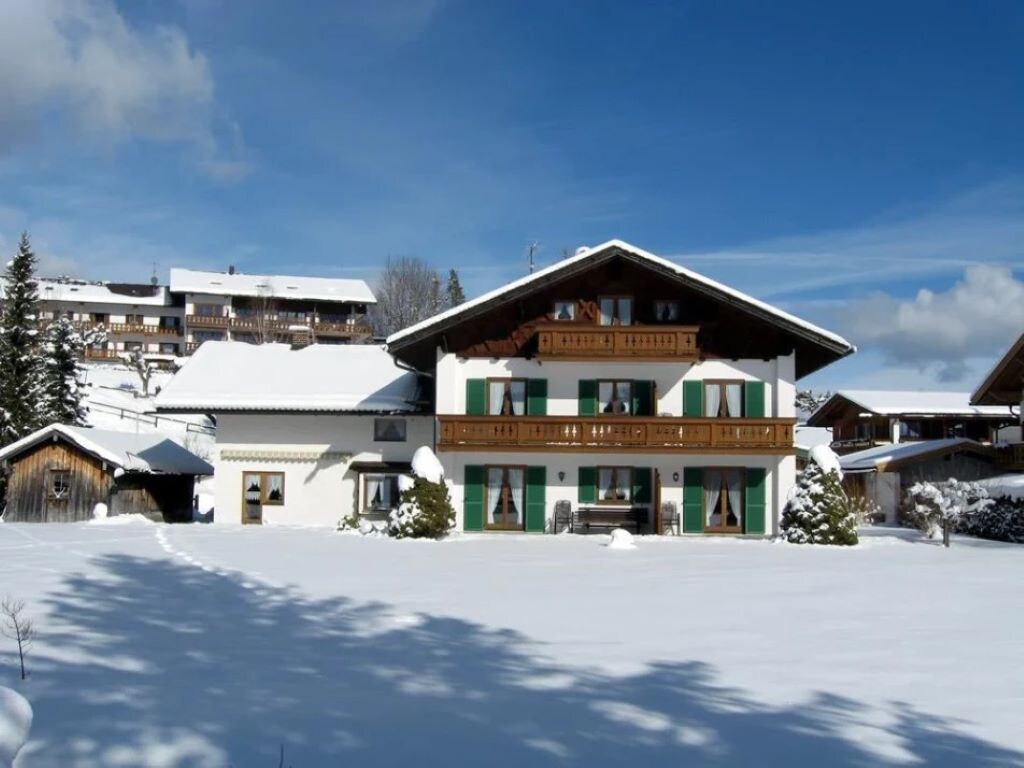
(565,341)
(102,354)
(140,329)
(342,329)
(662,434)
(207,321)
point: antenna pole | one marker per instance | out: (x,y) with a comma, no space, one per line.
(533,249)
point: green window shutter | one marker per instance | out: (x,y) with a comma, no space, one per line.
(537,397)
(473,499)
(693,398)
(588,397)
(642,485)
(693,500)
(587,485)
(643,398)
(536,485)
(754,508)
(476,397)
(753,399)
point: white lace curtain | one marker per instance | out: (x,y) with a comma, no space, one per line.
(515,481)
(734,400)
(493,494)
(712,399)
(373,488)
(734,482)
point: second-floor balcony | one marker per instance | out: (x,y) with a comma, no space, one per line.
(576,341)
(252,323)
(656,434)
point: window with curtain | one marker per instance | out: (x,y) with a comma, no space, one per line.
(265,488)
(723,500)
(723,399)
(506,497)
(615,398)
(564,310)
(506,397)
(616,310)
(380,492)
(60,484)
(666,311)
(614,484)
(389,430)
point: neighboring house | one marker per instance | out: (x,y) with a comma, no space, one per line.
(1004,387)
(60,474)
(862,419)
(265,308)
(622,385)
(304,435)
(884,473)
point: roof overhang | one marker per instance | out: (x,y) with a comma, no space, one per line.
(1004,384)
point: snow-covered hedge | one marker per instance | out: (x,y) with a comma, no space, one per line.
(943,507)
(1002,520)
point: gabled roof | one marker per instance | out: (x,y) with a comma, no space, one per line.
(328,378)
(275,286)
(130,451)
(836,345)
(902,403)
(886,457)
(1005,382)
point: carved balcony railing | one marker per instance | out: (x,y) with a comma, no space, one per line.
(596,433)
(207,321)
(574,341)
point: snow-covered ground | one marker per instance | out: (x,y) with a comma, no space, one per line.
(206,646)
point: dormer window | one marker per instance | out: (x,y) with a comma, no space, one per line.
(666,311)
(564,310)
(616,310)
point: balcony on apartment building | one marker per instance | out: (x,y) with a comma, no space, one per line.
(600,433)
(576,341)
(325,325)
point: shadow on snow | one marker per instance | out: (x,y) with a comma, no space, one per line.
(178,667)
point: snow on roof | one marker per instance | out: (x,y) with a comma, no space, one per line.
(587,253)
(101,293)
(872,458)
(234,376)
(277,286)
(131,451)
(898,402)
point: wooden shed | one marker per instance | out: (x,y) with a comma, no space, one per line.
(60,473)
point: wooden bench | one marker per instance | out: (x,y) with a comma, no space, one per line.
(586,518)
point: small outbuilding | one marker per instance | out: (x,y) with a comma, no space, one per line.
(60,473)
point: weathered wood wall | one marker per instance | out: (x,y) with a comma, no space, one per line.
(28,490)
(163,498)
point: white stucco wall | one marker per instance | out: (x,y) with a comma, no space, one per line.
(317,492)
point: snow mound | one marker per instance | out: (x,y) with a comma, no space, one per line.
(426,465)
(121,520)
(621,539)
(15,724)
(827,459)
(99,512)
(405,483)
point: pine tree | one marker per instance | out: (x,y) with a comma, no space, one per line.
(820,512)
(61,396)
(454,290)
(19,362)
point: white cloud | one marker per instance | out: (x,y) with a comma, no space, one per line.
(78,64)
(975,318)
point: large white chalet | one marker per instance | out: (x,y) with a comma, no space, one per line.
(616,387)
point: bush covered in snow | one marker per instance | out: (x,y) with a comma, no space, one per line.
(425,509)
(1002,520)
(819,511)
(935,507)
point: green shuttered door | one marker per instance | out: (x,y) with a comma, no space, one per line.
(537,397)
(755,504)
(643,398)
(753,396)
(536,486)
(476,397)
(693,398)
(473,499)
(587,485)
(642,485)
(693,496)
(588,397)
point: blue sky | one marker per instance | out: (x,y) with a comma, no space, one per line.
(834,159)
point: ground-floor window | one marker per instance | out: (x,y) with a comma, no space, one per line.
(60,484)
(380,492)
(506,497)
(615,484)
(264,488)
(723,500)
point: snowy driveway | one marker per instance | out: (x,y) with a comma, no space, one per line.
(203,646)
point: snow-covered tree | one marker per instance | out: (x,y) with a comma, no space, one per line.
(934,507)
(808,401)
(20,370)
(61,348)
(425,511)
(136,360)
(819,511)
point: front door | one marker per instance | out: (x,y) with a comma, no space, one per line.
(505,498)
(252,498)
(723,500)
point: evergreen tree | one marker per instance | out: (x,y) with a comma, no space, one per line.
(454,290)
(19,361)
(61,396)
(819,512)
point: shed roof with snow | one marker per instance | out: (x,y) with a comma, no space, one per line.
(326,378)
(901,403)
(888,457)
(815,347)
(130,451)
(275,286)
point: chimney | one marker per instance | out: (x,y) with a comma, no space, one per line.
(301,336)
(231,269)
